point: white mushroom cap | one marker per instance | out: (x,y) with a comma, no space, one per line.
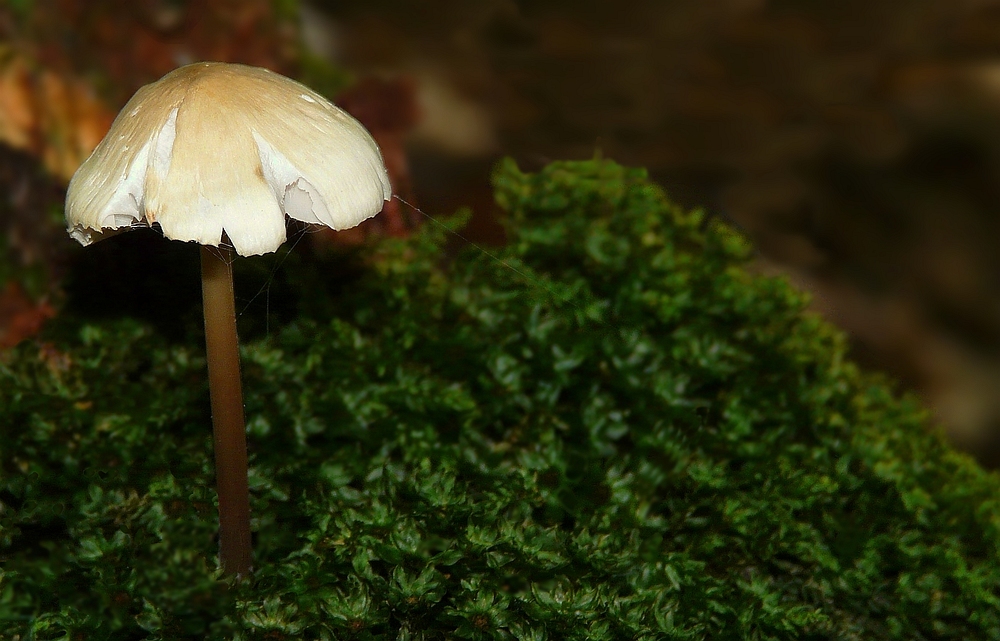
(214,147)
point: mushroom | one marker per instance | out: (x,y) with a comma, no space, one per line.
(215,151)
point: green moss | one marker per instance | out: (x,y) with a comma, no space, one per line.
(613,432)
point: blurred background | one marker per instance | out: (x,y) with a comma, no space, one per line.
(857,143)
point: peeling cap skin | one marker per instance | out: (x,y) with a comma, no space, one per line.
(215,147)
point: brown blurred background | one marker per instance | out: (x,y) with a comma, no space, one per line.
(858,143)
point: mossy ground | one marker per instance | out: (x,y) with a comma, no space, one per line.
(610,431)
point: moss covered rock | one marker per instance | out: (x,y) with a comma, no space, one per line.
(611,430)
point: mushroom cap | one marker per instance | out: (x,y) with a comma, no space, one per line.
(214,147)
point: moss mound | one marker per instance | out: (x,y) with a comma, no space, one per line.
(612,431)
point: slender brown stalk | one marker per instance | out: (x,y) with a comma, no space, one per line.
(222,346)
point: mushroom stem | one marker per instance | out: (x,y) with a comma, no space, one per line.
(225,390)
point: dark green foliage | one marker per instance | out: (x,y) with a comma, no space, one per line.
(616,432)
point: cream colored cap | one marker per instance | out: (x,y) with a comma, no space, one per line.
(215,147)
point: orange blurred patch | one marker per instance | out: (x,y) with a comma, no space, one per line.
(20,317)
(54,118)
